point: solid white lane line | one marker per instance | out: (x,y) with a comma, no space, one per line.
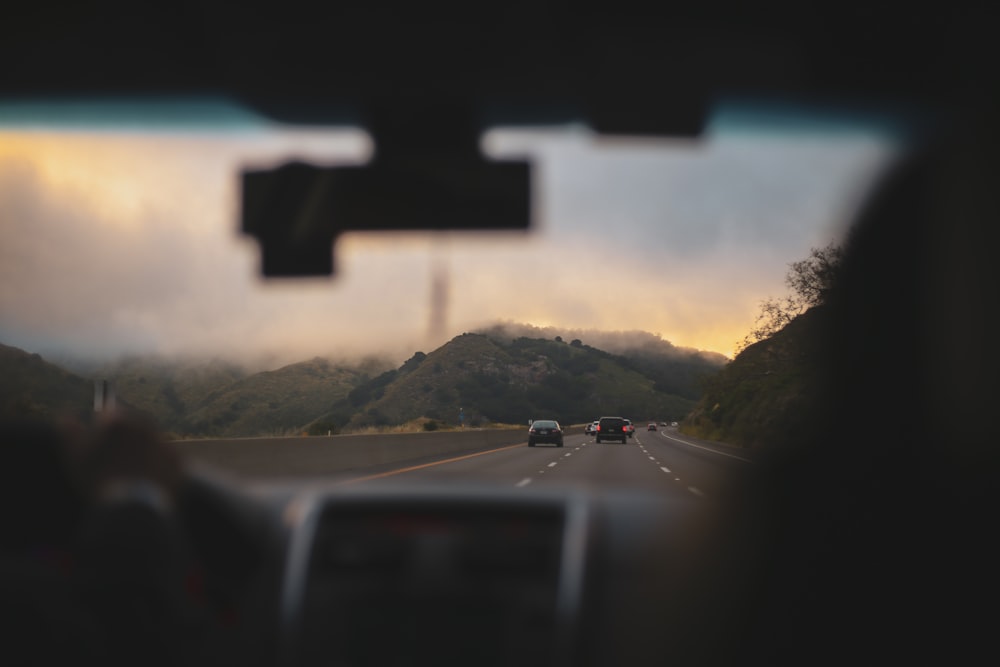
(665,469)
(524,482)
(714,451)
(696,491)
(553,464)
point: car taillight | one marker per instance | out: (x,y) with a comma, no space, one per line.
(598,428)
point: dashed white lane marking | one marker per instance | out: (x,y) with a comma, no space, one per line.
(665,469)
(569,453)
(524,482)
(651,458)
(696,491)
(553,464)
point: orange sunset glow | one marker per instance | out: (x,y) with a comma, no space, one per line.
(127,242)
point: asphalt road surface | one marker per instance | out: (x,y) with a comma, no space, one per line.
(661,461)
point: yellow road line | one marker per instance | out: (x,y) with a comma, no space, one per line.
(389,473)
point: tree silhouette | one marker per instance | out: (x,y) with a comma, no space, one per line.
(810,281)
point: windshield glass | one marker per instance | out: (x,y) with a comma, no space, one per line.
(125,242)
(123,264)
(740,258)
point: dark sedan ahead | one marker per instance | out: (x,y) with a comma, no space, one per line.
(545,430)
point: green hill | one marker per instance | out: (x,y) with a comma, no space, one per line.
(32,387)
(675,370)
(274,402)
(487,380)
(768,396)
(169,389)
(484,378)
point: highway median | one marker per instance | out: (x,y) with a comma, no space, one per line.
(294,456)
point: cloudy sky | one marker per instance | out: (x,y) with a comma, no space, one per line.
(125,242)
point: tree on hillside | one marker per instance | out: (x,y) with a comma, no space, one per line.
(810,281)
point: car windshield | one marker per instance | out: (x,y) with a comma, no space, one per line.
(112,253)
(133,284)
(124,266)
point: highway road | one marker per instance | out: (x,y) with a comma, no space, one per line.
(662,461)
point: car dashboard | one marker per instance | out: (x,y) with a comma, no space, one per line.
(395,574)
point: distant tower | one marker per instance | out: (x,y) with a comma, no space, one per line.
(437,325)
(104,395)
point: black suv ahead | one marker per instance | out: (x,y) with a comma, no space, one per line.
(612,428)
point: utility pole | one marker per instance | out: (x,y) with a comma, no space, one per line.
(438,321)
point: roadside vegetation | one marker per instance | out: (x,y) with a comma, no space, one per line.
(768,395)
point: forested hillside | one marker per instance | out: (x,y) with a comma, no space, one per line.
(32,387)
(770,395)
(476,379)
(767,396)
(473,380)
